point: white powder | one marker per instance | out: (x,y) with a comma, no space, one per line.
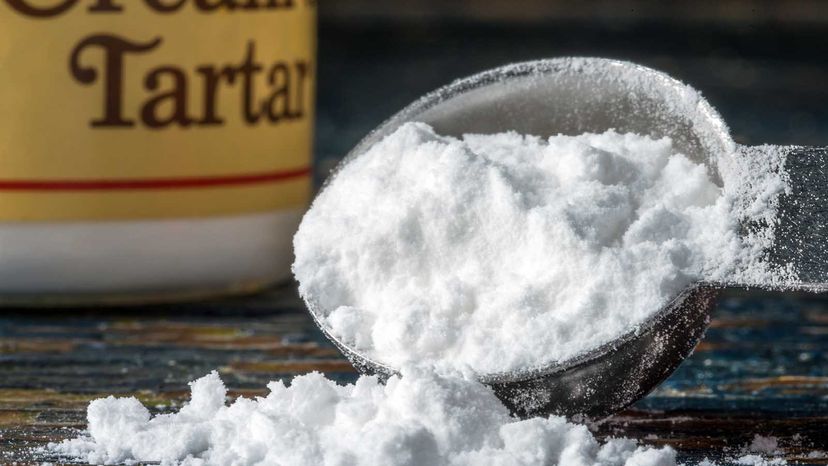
(505,251)
(492,253)
(767,445)
(756,460)
(418,419)
(747,460)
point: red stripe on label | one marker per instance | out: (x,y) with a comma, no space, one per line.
(153,183)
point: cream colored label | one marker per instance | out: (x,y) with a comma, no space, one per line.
(119,109)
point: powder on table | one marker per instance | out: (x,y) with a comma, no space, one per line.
(747,460)
(761,444)
(505,251)
(757,460)
(418,419)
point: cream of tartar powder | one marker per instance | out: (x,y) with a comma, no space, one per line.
(152,150)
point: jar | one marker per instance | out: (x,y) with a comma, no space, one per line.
(152,150)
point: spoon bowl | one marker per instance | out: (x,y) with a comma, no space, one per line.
(597,383)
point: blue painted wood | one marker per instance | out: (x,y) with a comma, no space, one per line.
(761,369)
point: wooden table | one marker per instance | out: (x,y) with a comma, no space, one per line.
(761,369)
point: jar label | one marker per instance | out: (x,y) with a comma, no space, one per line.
(124,109)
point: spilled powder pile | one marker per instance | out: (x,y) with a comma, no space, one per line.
(420,419)
(506,251)
(759,452)
(757,460)
(761,444)
(747,460)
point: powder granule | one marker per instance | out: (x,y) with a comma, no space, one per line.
(503,252)
(421,418)
(760,444)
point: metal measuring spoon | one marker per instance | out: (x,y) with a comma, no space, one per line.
(577,95)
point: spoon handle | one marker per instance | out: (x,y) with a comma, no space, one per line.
(802,232)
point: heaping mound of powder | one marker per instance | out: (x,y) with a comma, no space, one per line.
(505,251)
(419,419)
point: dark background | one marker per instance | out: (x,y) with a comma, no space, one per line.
(762,64)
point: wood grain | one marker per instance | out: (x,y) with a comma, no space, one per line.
(762,369)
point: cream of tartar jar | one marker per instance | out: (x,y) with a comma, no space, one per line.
(152,150)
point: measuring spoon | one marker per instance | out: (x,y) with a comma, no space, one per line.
(577,95)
